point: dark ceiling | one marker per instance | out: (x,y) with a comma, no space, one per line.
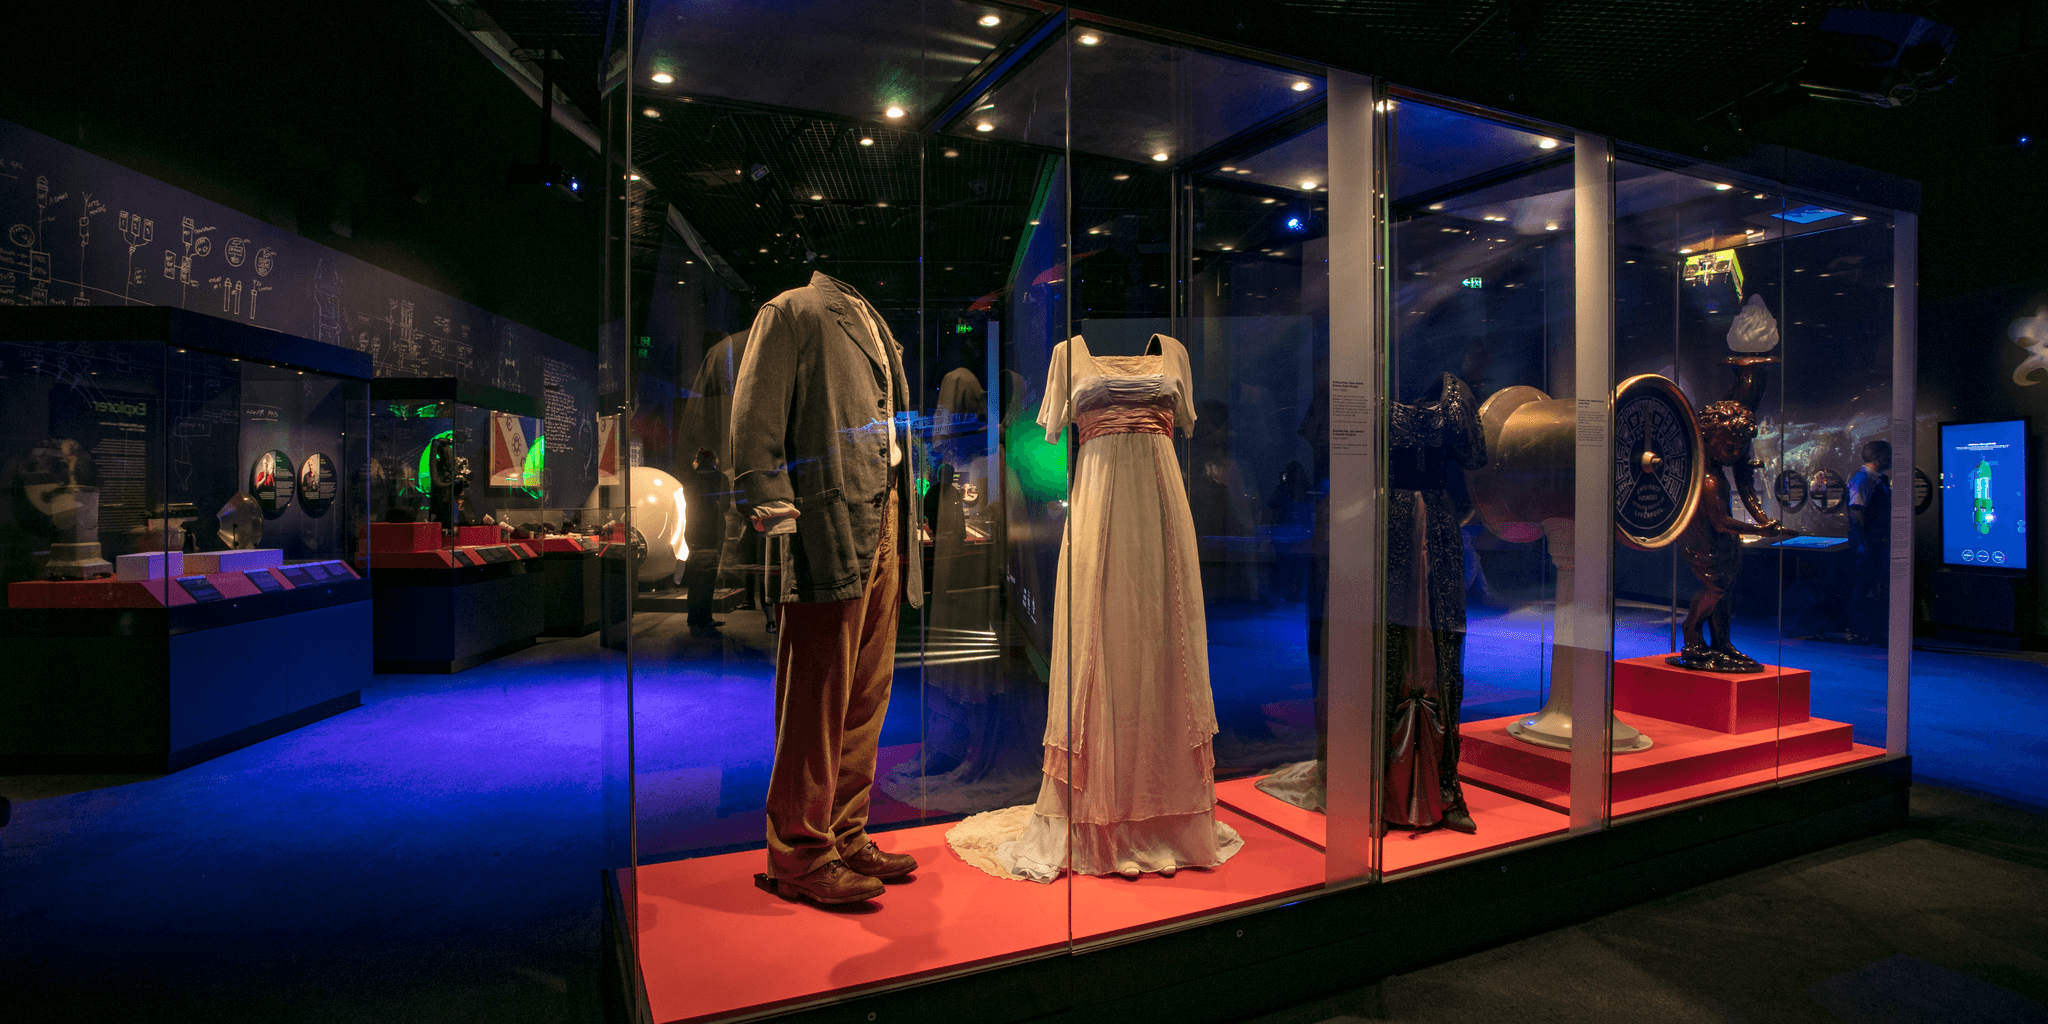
(769,86)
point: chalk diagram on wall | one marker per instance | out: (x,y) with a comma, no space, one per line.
(81,230)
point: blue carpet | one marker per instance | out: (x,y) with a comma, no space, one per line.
(435,854)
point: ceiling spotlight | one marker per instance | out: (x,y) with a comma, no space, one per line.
(1546,144)
(1550,226)
(893,112)
(1269,200)
(952,152)
(663,78)
(990,21)
(984,127)
(1094,231)
(1225,248)
(764,250)
(1242,170)
(1759,195)
(1227,170)
(1308,184)
(1119,177)
(650,112)
(866,141)
(632,177)
(881,204)
(1859,218)
(1682,252)
(1301,87)
(1088,39)
(1161,157)
(817,198)
(1722,188)
(1436,206)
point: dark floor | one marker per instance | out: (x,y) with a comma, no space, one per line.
(1942,922)
(435,854)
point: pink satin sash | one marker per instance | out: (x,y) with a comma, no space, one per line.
(1126,418)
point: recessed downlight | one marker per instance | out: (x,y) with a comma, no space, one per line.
(650,112)
(990,21)
(1546,144)
(1722,188)
(817,198)
(1300,87)
(1308,184)
(866,141)
(1119,177)
(984,127)
(664,78)
(1088,39)
(893,112)
(1160,157)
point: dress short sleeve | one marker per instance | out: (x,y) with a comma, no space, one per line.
(1054,411)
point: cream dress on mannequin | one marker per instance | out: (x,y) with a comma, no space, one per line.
(1129,767)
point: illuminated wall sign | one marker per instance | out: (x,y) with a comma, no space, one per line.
(1472,282)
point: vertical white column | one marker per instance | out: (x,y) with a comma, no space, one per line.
(1357,390)
(1591,629)
(1905,371)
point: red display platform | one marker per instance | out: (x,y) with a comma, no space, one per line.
(1502,820)
(460,557)
(570,543)
(1712,700)
(711,944)
(157,593)
(1722,733)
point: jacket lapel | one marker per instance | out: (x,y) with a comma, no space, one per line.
(843,306)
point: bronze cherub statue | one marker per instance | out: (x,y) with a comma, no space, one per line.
(1712,542)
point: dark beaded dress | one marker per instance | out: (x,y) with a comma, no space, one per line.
(1425,589)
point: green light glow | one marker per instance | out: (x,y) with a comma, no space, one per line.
(426,477)
(536,461)
(1041,468)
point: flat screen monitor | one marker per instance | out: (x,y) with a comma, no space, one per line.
(1984,494)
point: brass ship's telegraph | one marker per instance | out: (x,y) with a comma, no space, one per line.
(1526,493)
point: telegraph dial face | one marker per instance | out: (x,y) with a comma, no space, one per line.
(1790,490)
(1657,463)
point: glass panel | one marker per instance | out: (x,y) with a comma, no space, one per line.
(1727,635)
(1481,471)
(844,296)
(1198,327)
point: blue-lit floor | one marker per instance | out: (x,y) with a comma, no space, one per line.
(435,854)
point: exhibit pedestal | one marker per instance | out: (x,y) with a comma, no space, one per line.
(569,565)
(447,620)
(1714,733)
(140,689)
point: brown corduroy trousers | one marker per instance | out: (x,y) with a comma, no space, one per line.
(833,663)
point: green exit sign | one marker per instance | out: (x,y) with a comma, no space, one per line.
(963,328)
(1472,282)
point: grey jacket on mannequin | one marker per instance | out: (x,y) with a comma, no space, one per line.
(806,429)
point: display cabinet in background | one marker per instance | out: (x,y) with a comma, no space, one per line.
(180,536)
(454,465)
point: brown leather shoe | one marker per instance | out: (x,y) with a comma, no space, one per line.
(869,860)
(830,885)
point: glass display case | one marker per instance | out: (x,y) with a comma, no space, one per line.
(186,499)
(1129,483)
(462,539)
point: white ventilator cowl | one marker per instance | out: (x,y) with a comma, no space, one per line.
(1755,329)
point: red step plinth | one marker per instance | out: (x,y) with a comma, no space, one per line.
(1720,701)
(1684,758)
